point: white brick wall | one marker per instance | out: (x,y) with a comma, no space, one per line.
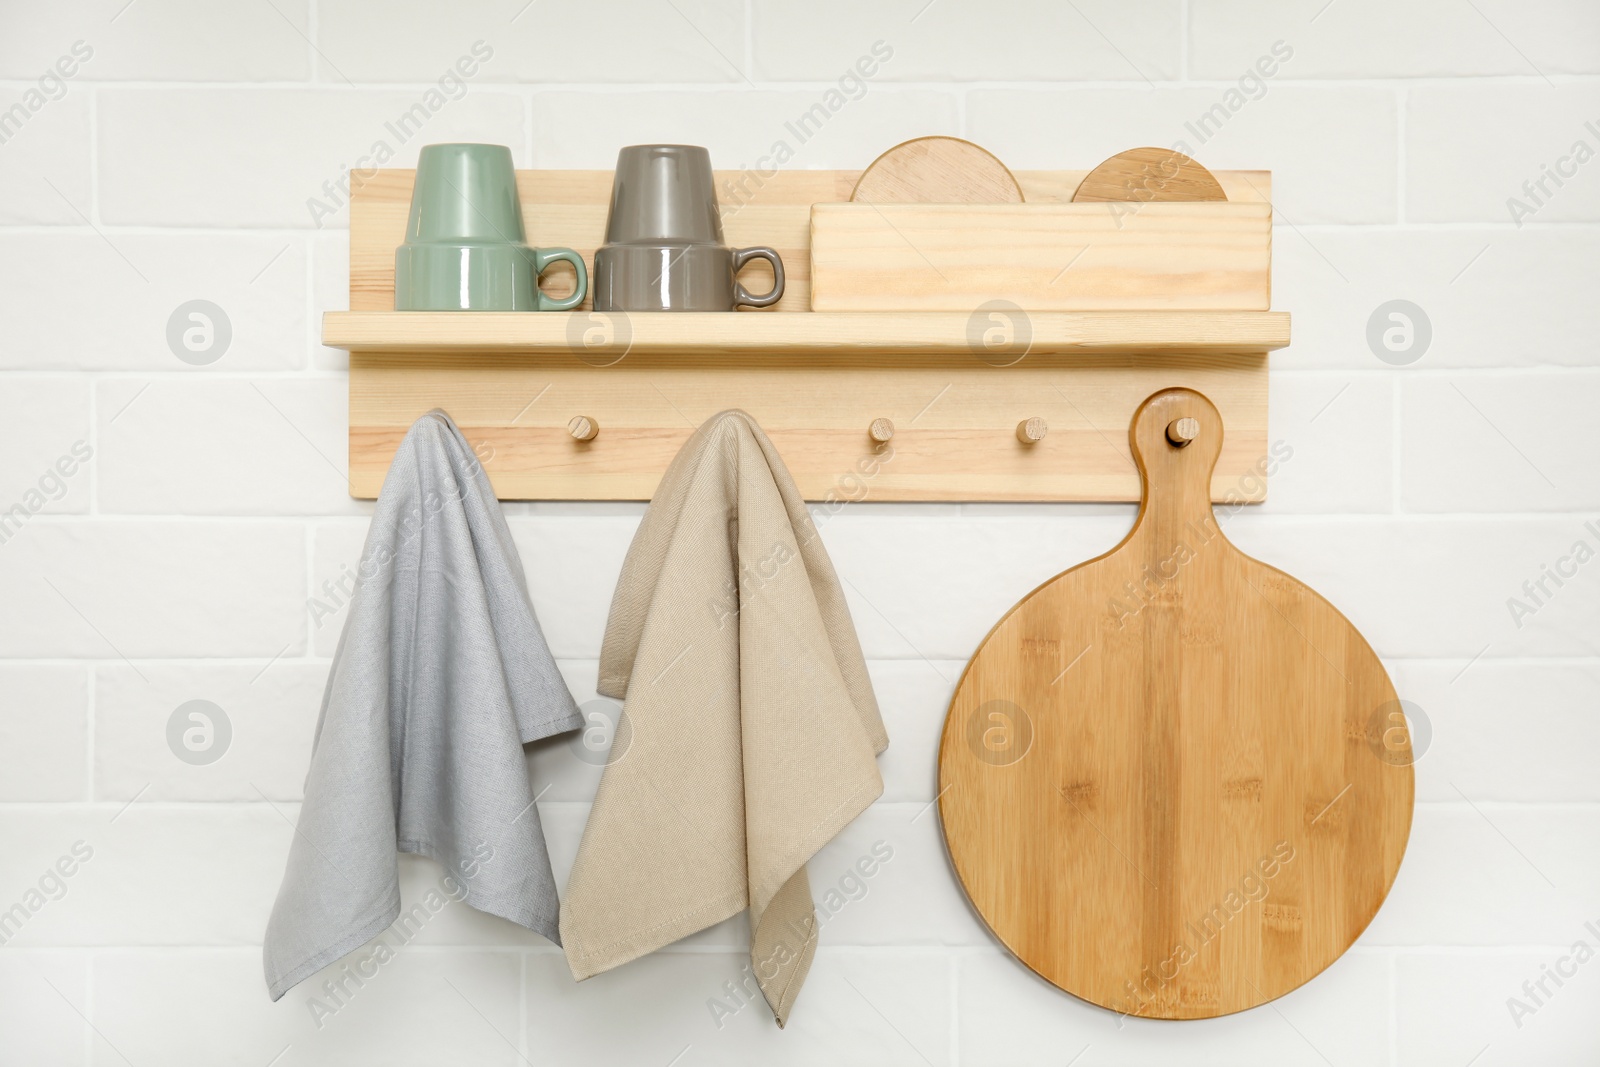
(176,561)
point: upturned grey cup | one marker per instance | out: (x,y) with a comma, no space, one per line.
(465,248)
(664,249)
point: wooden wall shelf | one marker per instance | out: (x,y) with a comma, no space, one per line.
(931,334)
(815,381)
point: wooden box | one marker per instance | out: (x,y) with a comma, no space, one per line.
(1123,256)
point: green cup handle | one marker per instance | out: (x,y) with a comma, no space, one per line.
(542,258)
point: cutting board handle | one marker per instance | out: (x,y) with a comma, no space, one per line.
(1176,436)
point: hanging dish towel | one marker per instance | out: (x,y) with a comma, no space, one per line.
(441,675)
(750,733)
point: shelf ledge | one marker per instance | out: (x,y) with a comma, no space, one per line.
(598,336)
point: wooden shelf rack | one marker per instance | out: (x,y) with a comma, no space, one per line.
(814,380)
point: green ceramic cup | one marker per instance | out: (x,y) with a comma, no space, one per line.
(465,247)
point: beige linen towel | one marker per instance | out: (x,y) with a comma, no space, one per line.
(749,733)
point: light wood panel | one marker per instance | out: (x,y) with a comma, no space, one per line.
(1061,257)
(955,423)
(568,208)
(1163,780)
(599,337)
(954,385)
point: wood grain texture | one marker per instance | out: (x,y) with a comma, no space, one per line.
(954,384)
(955,421)
(1158,782)
(937,170)
(1058,257)
(1149,174)
(602,338)
(1032,431)
(568,208)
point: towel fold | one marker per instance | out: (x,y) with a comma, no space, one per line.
(441,675)
(749,734)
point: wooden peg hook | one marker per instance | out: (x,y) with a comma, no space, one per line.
(583,428)
(1032,431)
(1181,431)
(881,430)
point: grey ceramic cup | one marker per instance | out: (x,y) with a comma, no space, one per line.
(664,249)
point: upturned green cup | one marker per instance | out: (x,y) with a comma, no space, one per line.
(465,247)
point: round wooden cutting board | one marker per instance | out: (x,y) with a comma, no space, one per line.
(1170,779)
(936,170)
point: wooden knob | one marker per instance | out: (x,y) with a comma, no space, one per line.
(583,428)
(881,430)
(1032,431)
(1181,431)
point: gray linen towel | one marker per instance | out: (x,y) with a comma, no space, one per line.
(441,675)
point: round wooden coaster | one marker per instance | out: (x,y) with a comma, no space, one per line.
(1149,174)
(937,170)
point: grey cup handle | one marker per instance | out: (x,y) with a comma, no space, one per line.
(741,295)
